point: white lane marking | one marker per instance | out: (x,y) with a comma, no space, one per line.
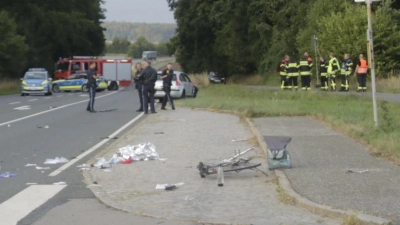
(25,107)
(47,97)
(94,148)
(53,109)
(14,103)
(23,203)
(60,95)
(32,100)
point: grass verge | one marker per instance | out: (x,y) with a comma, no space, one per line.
(349,114)
(9,87)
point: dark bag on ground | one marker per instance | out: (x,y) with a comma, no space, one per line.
(278,155)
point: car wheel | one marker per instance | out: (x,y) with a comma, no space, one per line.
(22,94)
(56,88)
(84,88)
(183,96)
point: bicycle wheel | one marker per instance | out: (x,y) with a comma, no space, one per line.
(241,166)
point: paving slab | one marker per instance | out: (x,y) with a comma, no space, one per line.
(185,137)
(322,159)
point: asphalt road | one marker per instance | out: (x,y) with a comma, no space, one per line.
(71,132)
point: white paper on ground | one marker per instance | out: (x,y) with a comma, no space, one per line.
(56,160)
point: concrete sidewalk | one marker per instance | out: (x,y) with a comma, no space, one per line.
(185,137)
(321,160)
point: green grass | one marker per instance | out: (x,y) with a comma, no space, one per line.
(350,114)
(9,87)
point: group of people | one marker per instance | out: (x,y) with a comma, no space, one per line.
(290,70)
(145,79)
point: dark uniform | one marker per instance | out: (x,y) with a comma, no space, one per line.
(324,75)
(305,73)
(149,76)
(91,84)
(345,73)
(167,83)
(292,70)
(139,88)
(283,74)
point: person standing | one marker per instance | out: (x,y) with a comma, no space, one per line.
(333,68)
(292,70)
(362,70)
(323,69)
(149,76)
(305,72)
(345,72)
(167,76)
(91,84)
(139,85)
(283,73)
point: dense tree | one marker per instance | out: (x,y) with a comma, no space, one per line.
(141,45)
(118,45)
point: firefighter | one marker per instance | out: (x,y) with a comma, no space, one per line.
(345,72)
(292,70)
(139,85)
(305,72)
(167,76)
(361,70)
(333,68)
(91,76)
(323,73)
(282,72)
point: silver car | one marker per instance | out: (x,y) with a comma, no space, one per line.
(181,87)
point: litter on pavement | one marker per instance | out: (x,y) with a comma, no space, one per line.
(45,127)
(140,152)
(31,183)
(60,183)
(109,138)
(29,165)
(7,175)
(56,160)
(42,168)
(354,171)
(168,187)
(239,140)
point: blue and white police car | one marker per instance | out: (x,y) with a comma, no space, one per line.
(36,81)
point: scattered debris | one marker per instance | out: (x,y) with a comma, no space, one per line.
(82,169)
(42,168)
(107,110)
(353,171)
(60,183)
(31,183)
(168,187)
(8,125)
(7,175)
(107,170)
(127,161)
(141,152)
(45,127)
(109,138)
(93,185)
(95,182)
(83,165)
(239,140)
(30,165)
(52,107)
(56,160)
(188,198)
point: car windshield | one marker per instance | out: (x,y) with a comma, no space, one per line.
(39,76)
(63,66)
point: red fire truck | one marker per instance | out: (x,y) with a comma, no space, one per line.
(115,71)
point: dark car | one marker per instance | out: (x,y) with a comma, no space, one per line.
(217,78)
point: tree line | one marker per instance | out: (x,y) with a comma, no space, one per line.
(250,36)
(36,33)
(135,49)
(153,32)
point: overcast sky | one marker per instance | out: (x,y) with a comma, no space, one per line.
(147,11)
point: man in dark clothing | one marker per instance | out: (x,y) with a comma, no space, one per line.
(167,76)
(139,85)
(149,76)
(91,84)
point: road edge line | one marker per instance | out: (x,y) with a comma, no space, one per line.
(94,148)
(305,203)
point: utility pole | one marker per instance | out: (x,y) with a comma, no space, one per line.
(371,44)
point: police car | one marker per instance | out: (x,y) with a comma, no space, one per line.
(36,81)
(77,82)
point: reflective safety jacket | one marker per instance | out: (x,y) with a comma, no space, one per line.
(333,65)
(292,69)
(283,66)
(324,68)
(305,66)
(346,67)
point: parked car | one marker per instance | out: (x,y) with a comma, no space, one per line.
(217,78)
(36,81)
(181,87)
(76,82)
